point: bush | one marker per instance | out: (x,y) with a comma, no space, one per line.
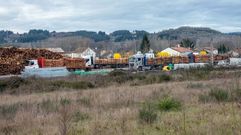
(169,104)
(12,83)
(121,79)
(73,85)
(151,79)
(3,86)
(139,77)
(9,111)
(236,95)
(164,77)
(79,116)
(205,98)
(219,95)
(117,73)
(85,101)
(195,85)
(147,113)
(48,106)
(65,101)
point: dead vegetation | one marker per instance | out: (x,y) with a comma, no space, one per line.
(157,104)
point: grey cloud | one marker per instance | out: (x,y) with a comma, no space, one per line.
(110,15)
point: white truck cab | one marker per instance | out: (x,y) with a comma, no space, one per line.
(32,64)
(139,61)
(89,60)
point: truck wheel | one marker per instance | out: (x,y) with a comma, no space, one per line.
(139,69)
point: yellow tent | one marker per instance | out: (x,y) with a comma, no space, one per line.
(166,68)
(163,54)
(117,56)
(203,52)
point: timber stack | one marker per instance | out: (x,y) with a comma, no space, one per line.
(12,60)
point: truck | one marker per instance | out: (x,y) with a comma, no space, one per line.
(53,68)
(139,61)
(148,61)
(34,69)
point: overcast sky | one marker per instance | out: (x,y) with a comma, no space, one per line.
(111,15)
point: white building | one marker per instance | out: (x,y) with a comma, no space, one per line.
(56,50)
(177,51)
(82,54)
(209,50)
(88,52)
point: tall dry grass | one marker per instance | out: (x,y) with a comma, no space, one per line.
(114,109)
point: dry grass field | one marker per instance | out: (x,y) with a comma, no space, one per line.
(198,102)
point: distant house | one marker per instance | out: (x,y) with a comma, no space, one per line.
(56,50)
(209,50)
(81,53)
(106,54)
(177,51)
(72,55)
(88,52)
(235,53)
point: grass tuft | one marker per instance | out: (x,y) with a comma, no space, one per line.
(147,113)
(169,104)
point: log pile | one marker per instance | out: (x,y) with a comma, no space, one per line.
(13,60)
(121,61)
(54,63)
(75,63)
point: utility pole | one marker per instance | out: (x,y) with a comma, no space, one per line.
(7,36)
(212,59)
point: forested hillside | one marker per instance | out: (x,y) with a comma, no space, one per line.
(120,40)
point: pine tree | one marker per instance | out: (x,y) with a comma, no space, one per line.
(145,44)
(187,43)
(223,49)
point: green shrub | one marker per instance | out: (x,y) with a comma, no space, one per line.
(169,104)
(9,129)
(9,111)
(65,101)
(121,79)
(73,85)
(3,86)
(151,79)
(148,114)
(219,95)
(80,85)
(85,101)
(236,94)
(11,83)
(139,77)
(117,73)
(48,106)
(195,85)
(16,82)
(165,78)
(236,90)
(79,116)
(205,98)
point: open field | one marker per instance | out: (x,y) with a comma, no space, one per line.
(183,102)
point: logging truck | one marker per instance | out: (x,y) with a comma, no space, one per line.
(146,61)
(53,68)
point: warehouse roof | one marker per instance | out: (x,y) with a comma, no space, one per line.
(181,49)
(57,50)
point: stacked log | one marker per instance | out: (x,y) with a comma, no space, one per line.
(184,59)
(201,59)
(74,63)
(13,60)
(121,61)
(54,63)
(220,57)
(151,61)
(176,59)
